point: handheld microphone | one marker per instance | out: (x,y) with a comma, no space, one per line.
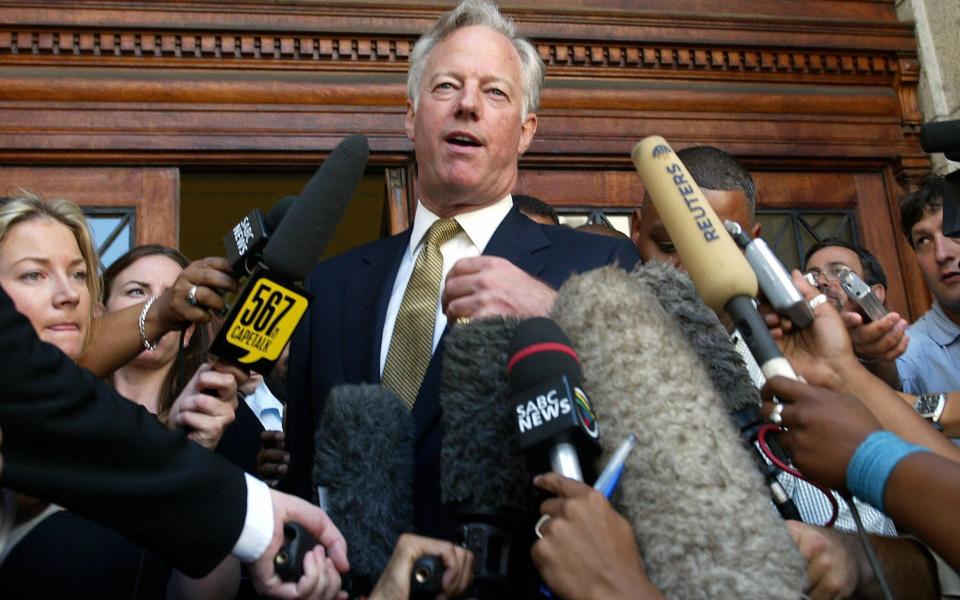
(719,271)
(484,478)
(363,470)
(555,419)
(696,502)
(725,367)
(245,241)
(271,304)
(774,280)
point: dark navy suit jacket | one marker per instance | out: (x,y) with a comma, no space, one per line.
(70,438)
(339,340)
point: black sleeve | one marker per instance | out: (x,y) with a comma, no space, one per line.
(70,439)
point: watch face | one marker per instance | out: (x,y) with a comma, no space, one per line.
(926,405)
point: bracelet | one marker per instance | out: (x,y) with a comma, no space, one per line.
(873,461)
(142,322)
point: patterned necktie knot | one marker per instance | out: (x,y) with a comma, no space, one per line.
(441,232)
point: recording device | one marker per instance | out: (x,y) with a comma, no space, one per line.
(426,578)
(861,294)
(483,475)
(698,507)
(271,303)
(727,371)
(719,271)
(363,468)
(773,278)
(555,420)
(297,541)
(944,136)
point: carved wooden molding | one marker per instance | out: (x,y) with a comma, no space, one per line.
(908,76)
(391,53)
(717,59)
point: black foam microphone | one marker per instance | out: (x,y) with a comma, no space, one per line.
(727,371)
(941,136)
(271,303)
(363,471)
(555,420)
(484,478)
(698,506)
(245,241)
(304,232)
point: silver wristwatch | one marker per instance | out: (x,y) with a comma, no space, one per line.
(930,406)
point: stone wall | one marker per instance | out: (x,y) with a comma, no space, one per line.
(937,25)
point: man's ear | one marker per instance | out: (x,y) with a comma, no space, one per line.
(408,121)
(527,129)
(755,230)
(880,291)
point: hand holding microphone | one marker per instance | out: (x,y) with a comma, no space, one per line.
(587,549)
(456,565)
(197,291)
(822,353)
(206,406)
(823,428)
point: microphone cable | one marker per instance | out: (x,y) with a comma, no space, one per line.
(791,470)
(861,531)
(868,548)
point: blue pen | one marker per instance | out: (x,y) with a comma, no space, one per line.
(610,476)
(607,481)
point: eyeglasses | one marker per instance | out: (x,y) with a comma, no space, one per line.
(831,274)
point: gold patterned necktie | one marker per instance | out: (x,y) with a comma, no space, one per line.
(412,343)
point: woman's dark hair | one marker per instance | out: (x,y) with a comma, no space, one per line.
(191,356)
(135,254)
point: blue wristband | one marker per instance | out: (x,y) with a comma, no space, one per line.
(872,463)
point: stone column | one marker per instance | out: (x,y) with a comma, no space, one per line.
(937,26)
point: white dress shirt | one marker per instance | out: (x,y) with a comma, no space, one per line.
(266,406)
(478,227)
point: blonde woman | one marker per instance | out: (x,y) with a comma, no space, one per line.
(48,267)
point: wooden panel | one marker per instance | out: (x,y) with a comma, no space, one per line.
(816,190)
(154,193)
(582,188)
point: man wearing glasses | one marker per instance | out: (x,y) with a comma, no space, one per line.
(877,342)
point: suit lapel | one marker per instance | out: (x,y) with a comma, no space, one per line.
(517,239)
(368,294)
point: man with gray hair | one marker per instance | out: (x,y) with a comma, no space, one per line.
(382,309)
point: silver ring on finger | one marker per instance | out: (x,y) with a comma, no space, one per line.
(192,296)
(817,301)
(536,528)
(776,416)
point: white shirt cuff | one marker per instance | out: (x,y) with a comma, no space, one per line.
(257,524)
